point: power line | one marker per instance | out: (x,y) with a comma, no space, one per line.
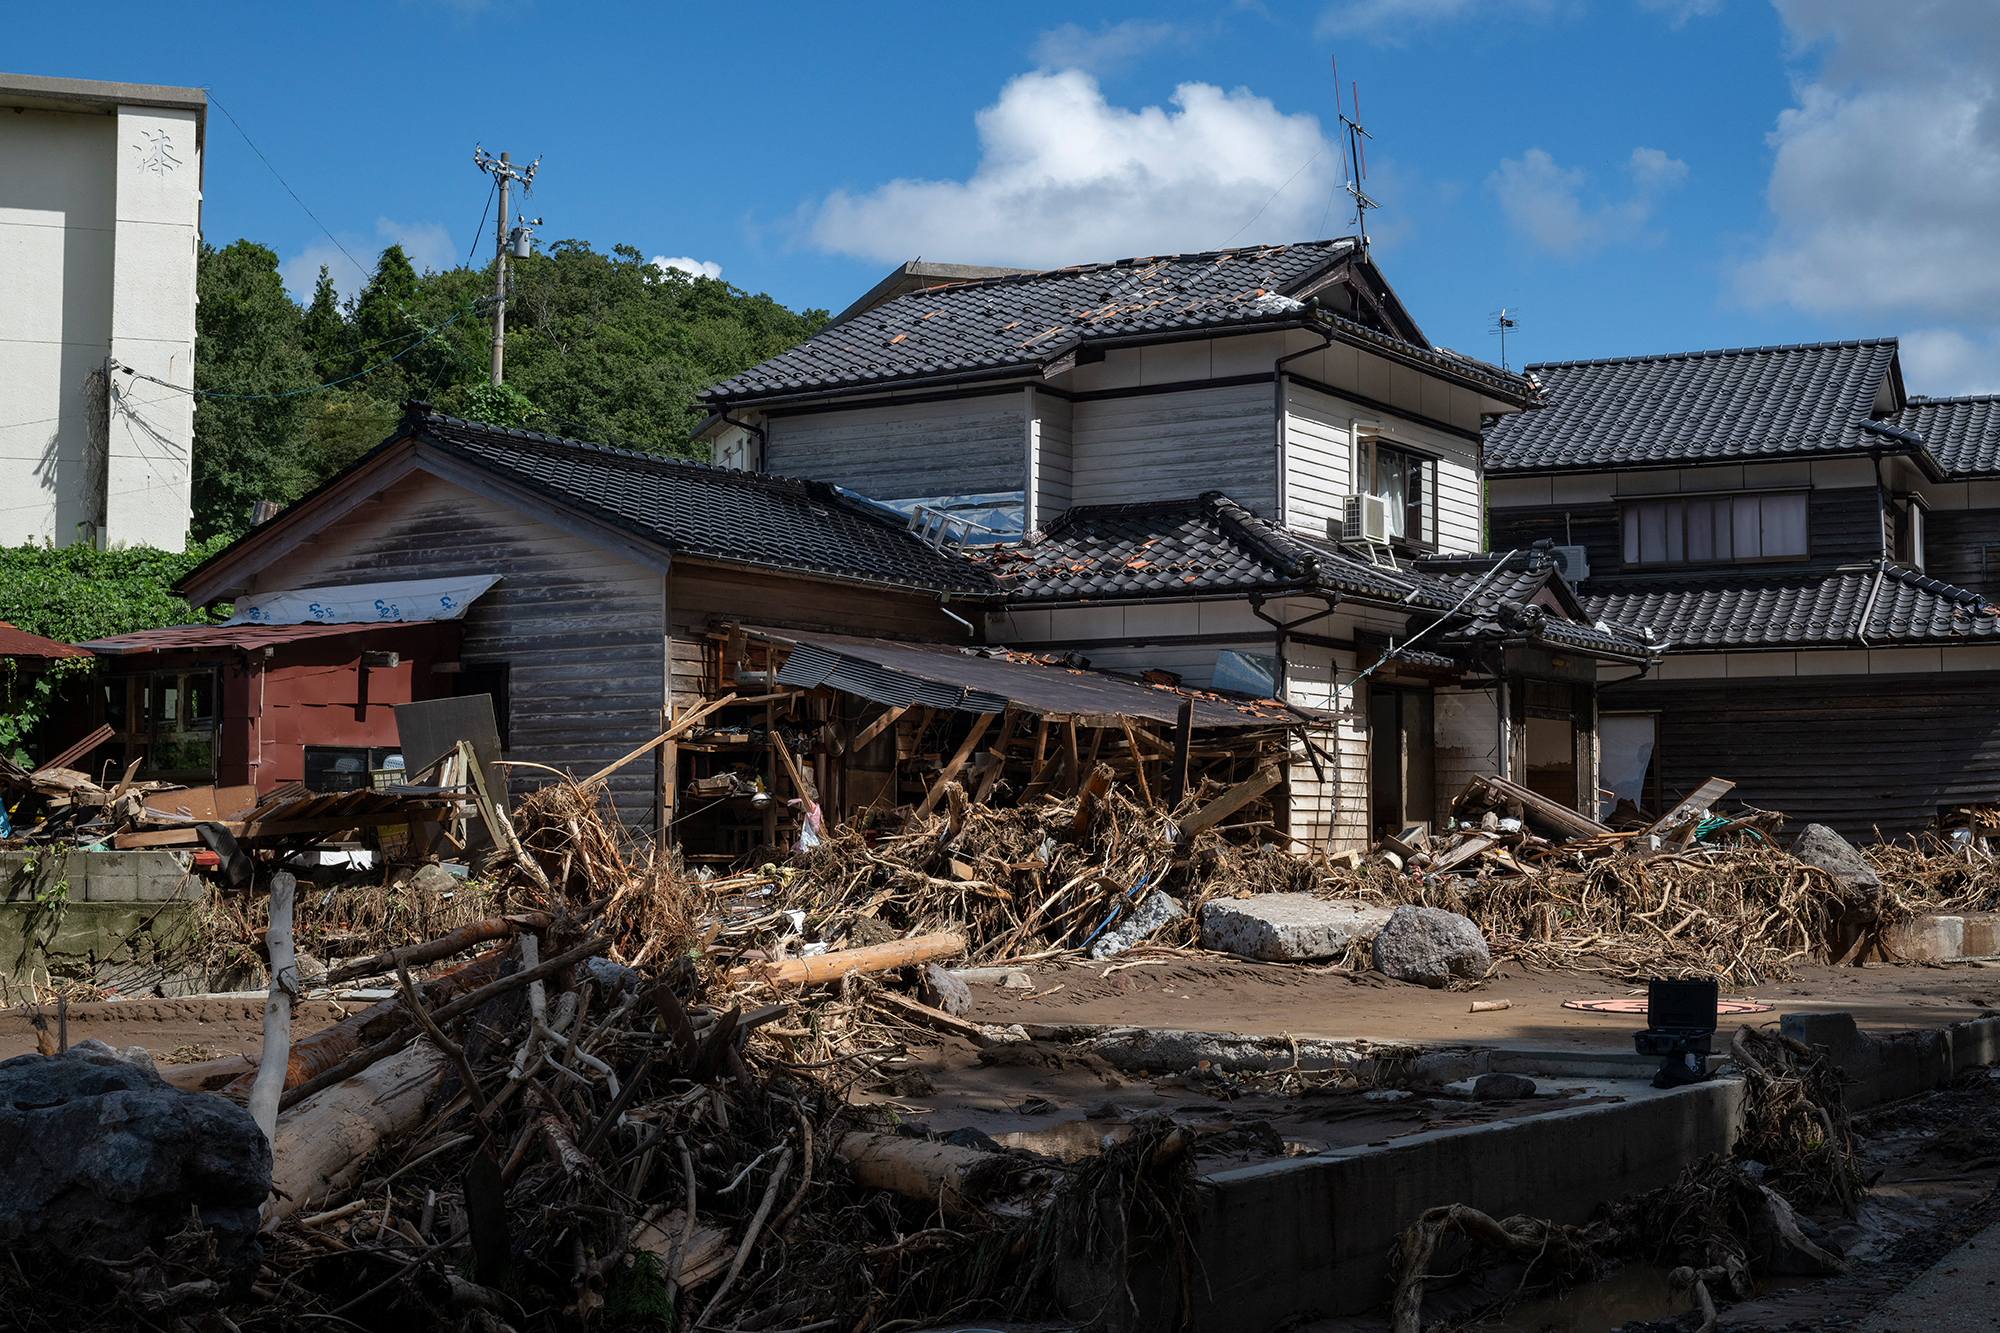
(288,189)
(209,393)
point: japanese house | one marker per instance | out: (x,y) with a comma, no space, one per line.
(1233,467)
(1815,550)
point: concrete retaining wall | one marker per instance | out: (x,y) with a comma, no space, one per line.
(1887,1069)
(78,913)
(1946,939)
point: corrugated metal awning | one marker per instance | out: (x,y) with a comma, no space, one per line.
(988,680)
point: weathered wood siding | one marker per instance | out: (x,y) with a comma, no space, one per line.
(1963,547)
(1857,753)
(581,630)
(901,451)
(1165,446)
(1841,529)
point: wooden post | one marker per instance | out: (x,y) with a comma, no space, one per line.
(1001,744)
(277,1053)
(979,725)
(1138,761)
(1072,761)
(1089,765)
(770,769)
(1183,738)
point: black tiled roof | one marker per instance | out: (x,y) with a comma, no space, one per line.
(1696,407)
(1214,545)
(1963,433)
(1501,594)
(720,513)
(1174,548)
(1800,610)
(1005,325)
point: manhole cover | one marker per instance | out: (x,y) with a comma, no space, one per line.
(1635,1005)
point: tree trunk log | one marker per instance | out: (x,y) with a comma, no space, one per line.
(873,958)
(325,1140)
(271,1067)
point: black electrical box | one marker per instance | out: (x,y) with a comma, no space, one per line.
(1680,1028)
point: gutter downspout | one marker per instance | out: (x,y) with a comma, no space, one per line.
(1868,608)
(1278,382)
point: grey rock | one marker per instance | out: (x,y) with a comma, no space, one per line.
(100,1156)
(1819,846)
(1016,979)
(1156,910)
(944,991)
(612,979)
(1287,927)
(1780,1240)
(1430,946)
(1503,1087)
(434,880)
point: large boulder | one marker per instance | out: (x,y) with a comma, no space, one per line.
(1287,927)
(100,1156)
(1817,845)
(1430,946)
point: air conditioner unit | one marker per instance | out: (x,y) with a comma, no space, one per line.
(1571,561)
(1367,520)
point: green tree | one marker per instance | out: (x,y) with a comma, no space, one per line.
(249,342)
(324,328)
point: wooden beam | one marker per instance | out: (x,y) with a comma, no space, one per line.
(1704,797)
(801,782)
(673,733)
(1088,766)
(1555,812)
(877,727)
(872,958)
(979,725)
(1072,761)
(1474,844)
(77,751)
(1231,801)
(1138,761)
(1183,737)
(999,753)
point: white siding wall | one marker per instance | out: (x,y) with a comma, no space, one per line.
(1330,808)
(904,450)
(1053,432)
(1319,457)
(1168,446)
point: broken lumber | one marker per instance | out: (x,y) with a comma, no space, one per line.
(276,1057)
(1534,803)
(950,771)
(936,1018)
(1473,845)
(675,732)
(872,958)
(324,1142)
(1704,797)
(940,1174)
(1231,801)
(458,941)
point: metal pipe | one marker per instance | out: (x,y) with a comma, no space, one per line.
(758,431)
(1868,608)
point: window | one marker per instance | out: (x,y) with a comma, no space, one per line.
(1909,531)
(1407,481)
(1736,527)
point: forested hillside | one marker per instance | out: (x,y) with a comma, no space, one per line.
(605,347)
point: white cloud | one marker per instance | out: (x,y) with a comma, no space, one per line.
(428,245)
(1545,205)
(1064,178)
(1941,362)
(1886,178)
(1393,20)
(1678,12)
(1112,46)
(694,268)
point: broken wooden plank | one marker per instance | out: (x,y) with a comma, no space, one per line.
(1554,812)
(1231,801)
(1705,796)
(1001,741)
(673,733)
(877,727)
(936,1018)
(1473,845)
(76,751)
(1177,777)
(1138,761)
(950,771)
(872,958)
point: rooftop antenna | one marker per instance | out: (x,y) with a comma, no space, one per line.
(1357,160)
(1503,319)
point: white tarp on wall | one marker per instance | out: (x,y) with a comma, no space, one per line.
(364,603)
(1625,748)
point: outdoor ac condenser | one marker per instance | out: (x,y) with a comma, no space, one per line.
(1570,560)
(1367,519)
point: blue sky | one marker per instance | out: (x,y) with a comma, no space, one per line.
(1633,175)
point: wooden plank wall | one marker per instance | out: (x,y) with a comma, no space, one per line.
(1858,753)
(1840,523)
(1955,542)
(1169,446)
(580,629)
(902,451)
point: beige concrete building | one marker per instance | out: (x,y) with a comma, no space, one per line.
(100,216)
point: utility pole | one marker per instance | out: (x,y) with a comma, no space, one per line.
(505,174)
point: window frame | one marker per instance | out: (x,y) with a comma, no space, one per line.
(1368,451)
(1627,504)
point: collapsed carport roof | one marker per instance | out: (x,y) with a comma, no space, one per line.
(989,680)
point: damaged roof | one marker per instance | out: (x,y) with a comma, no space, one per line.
(1524,592)
(1026,322)
(1703,407)
(19,643)
(984,679)
(1802,610)
(1963,433)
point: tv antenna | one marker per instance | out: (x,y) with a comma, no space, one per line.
(505,173)
(1357,160)
(1502,319)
